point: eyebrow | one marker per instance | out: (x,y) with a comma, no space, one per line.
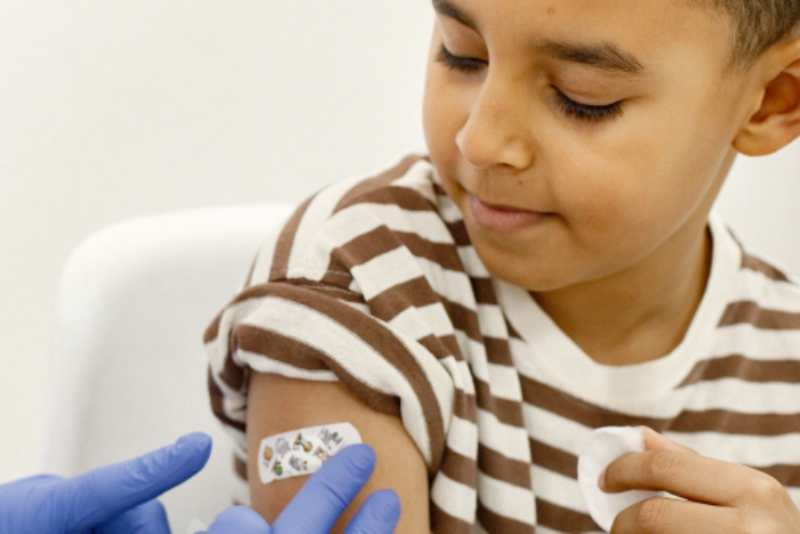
(604,56)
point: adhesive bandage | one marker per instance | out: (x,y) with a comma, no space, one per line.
(302,451)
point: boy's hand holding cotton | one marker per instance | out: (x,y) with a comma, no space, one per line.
(720,497)
(604,446)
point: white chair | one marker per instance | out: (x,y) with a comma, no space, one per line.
(128,369)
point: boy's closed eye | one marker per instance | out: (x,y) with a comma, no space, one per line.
(570,107)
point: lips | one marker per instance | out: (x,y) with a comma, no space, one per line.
(502,207)
(506,207)
(500,220)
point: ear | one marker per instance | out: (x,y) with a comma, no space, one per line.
(776,123)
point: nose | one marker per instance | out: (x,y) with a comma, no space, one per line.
(497,129)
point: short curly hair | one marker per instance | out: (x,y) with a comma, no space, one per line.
(757,25)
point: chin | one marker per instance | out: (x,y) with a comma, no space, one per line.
(514,268)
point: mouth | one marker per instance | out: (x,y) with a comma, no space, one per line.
(503,207)
(497,206)
(503,218)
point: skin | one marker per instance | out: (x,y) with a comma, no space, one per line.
(622,264)
(721,497)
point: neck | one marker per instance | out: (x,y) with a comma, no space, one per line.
(639,314)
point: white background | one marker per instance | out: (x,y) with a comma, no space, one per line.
(113,110)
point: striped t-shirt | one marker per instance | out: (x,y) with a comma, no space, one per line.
(373,281)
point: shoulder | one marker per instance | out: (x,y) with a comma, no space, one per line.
(362,228)
(402,199)
(305,404)
(769,294)
(406,185)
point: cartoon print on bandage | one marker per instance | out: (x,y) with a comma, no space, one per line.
(302,451)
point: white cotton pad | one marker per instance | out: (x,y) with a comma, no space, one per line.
(302,451)
(605,445)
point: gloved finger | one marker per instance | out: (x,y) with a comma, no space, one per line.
(240,520)
(104,493)
(24,503)
(28,490)
(379,514)
(328,492)
(147,518)
(33,480)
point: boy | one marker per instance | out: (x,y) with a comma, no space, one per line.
(553,265)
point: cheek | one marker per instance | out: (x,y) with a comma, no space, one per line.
(445,108)
(625,180)
(438,113)
(623,205)
(615,212)
(599,196)
(441,124)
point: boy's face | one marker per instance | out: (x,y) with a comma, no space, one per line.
(618,188)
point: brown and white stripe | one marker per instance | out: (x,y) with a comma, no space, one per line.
(373,281)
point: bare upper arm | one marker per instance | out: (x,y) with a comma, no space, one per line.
(278,404)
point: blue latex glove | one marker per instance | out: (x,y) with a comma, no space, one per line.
(323,498)
(116,499)
(121,498)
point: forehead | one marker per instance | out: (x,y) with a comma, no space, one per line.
(631,37)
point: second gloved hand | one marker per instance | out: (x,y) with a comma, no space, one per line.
(322,499)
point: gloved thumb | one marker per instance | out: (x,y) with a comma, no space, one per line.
(100,495)
(239,520)
(325,496)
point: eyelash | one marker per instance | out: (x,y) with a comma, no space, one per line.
(574,109)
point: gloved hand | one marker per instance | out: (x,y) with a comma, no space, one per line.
(321,501)
(121,498)
(116,499)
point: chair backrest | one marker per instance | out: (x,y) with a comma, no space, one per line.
(127,367)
